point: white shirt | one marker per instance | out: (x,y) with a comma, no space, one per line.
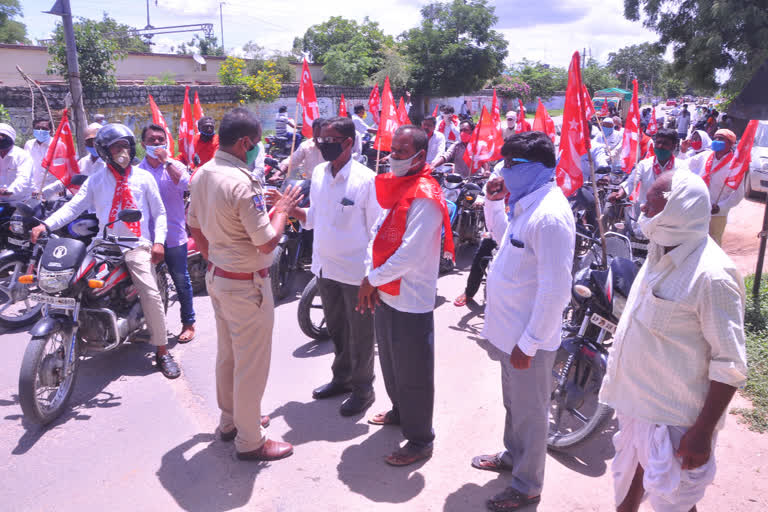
(416,262)
(599,158)
(15,173)
(37,151)
(96,195)
(529,287)
(613,141)
(307,156)
(721,194)
(435,146)
(342,230)
(360,126)
(87,166)
(643,173)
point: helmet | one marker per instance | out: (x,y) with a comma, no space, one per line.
(108,135)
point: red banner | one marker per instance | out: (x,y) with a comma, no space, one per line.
(653,125)
(389,120)
(158,119)
(342,107)
(484,144)
(589,107)
(742,157)
(574,139)
(496,118)
(436,111)
(629,146)
(402,114)
(374,103)
(543,122)
(186,131)
(308,101)
(522,124)
(62,164)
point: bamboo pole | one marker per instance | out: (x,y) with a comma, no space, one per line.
(598,210)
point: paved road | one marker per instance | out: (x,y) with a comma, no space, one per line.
(136,441)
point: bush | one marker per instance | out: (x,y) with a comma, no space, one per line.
(265,86)
(513,87)
(165,78)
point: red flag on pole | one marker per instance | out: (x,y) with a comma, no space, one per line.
(186,131)
(589,107)
(197,112)
(484,143)
(436,111)
(742,157)
(543,122)
(653,125)
(158,119)
(574,139)
(522,124)
(63,165)
(495,111)
(374,103)
(496,119)
(342,107)
(629,146)
(308,101)
(389,119)
(604,112)
(402,114)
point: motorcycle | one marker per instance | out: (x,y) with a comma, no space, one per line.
(599,296)
(90,305)
(294,251)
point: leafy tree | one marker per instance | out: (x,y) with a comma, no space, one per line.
(121,33)
(454,50)
(264,86)
(641,61)
(513,87)
(396,66)
(257,58)
(596,76)
(201,45)
(544,80)
(11,31)
(708,36)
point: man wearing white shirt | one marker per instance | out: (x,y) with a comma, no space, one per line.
(678,353)
(341,213)
(612,140)
(307,155)
(361,127)
(88,164)
(528,286)
(436,144)
(37,147)
(121,186)
(401,284)
(15,166)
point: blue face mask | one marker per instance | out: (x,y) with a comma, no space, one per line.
(151,150)
(92,151)
(42,136)
(717,145)
(524,178)
(607,131)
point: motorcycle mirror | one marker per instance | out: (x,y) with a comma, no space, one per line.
(129,215)
(454,178)
(78,179)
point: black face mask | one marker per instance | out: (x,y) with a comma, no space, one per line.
(5,143)
(330,150)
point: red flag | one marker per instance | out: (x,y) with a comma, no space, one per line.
(374,103)
(629,146)
(574,139)
(197,112)
(495,111)
(742,157)
(589,107)
(653,125)
(402,114)
(62,164)
(158,119)
(389,119)
(435,112)
(484,143)
(604,112)
(543,123)
(308,101)
(342,107)
(186,131)
(496,119)
(522,124)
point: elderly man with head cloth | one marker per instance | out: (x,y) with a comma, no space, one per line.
(678,354)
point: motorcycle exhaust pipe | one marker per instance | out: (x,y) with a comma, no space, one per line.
(112,324)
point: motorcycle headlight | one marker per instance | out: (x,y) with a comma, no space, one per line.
(17,226)
(619,303)
(54,281)
(451,195)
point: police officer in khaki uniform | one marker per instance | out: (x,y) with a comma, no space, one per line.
(229,221)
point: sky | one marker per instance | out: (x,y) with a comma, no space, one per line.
(545,30)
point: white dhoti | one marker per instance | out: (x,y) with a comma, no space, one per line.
(668,487)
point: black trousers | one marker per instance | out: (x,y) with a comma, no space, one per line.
(407,357)
(352,335)
(479,264)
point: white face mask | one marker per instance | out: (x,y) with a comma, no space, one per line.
(647,226)
(511,123)
(401,167)
(123,158)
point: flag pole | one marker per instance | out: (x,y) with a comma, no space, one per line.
(598,210)
(293,142)
(378,154)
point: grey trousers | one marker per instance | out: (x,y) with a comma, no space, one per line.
(352,335)
(526,396)
(407,357)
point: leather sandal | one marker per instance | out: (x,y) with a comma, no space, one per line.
(385,418)
(490,463)
(408,455)
(511,499)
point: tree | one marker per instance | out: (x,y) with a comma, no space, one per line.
(513,87)
(544,80)
(202,46)
(708,37)
(264,86)
(641,61)
(121,34)
(454,50)
(284,62)
(596,77)
(11,31)
(396,66)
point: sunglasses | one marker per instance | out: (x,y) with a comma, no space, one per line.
(330,140)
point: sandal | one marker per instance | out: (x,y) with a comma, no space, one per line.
(490,463)
(385,418)
(407,455)
(461,301)
(511,499)
(187,334)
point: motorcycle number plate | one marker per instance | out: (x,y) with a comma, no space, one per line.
(53,301)
(603,323)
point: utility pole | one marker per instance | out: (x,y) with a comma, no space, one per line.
(221,23)
(63,9)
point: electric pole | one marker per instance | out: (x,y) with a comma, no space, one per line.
(63,9)
(221,22)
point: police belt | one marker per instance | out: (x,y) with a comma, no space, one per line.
(238,276)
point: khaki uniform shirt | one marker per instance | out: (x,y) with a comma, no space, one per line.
(227,205)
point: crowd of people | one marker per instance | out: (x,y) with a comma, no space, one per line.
(378,240)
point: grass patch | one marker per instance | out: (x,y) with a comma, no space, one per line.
(756,326)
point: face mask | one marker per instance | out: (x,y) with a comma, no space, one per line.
(151,150)
(42,136)
(252,154)
(466,137)
(696,145)
(647,226)
(123,159)
(510,123)
(607,131)
(5,143)
(206,136)
(662,155)
(330,150)
(718,145)
(401,167)
(92,151)
(524,178)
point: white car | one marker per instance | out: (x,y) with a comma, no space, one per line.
(757,181)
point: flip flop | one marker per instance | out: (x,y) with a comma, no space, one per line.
(460,301)
(384,418)
(510,499)
(187,339)
(490,463)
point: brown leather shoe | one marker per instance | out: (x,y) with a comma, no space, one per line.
(232,434)
(270,450)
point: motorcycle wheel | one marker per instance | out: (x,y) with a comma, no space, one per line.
(574,422)
(44,391)
(311,314)
(16,308)
(280,273)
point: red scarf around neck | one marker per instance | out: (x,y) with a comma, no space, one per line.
(708,171)
(123,199)
(396,195)
(667,167)
(441,128)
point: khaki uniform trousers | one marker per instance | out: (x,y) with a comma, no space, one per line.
(717,228)
(139,263)
(245,315)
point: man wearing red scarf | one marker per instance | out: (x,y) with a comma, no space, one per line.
(401,283)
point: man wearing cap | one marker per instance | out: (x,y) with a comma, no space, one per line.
(37,147)
(15,166)
(712,165)
(88,164)
(509,129)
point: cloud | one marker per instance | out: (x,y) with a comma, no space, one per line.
(524,13)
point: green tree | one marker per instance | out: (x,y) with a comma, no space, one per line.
(121,34)
(708,36)
(641,61)
(396,66)
(544,80)
(264,86)
(596,76)
(11,31)
(454,50)
(202,46)
(257,56)
(513,87)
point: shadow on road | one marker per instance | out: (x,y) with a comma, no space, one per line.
(591,457)
(210,479)
(363,470)
(314,348)
(471,323)
(474,496)
(318,420)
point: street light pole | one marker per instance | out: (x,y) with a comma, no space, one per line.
(221,23)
